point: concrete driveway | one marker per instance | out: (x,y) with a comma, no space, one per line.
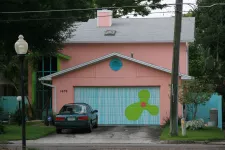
(118,134)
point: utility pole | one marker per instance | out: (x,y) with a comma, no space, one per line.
(175,70)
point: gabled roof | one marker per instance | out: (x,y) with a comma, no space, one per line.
(134,30)
(49,77)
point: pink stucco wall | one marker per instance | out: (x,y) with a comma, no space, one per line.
(100,74)
(156,53)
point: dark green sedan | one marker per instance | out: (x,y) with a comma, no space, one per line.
(76,116)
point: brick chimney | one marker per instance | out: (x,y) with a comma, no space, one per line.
(104,18)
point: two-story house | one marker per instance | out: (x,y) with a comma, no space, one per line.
(121,67)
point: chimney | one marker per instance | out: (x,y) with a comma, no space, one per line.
(104,18)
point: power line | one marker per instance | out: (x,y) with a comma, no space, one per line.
(64,18)
(87,9)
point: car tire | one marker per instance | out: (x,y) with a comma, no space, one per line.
(90,128)
(96,124)
(58,131)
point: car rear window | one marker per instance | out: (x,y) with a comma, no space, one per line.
(73,109)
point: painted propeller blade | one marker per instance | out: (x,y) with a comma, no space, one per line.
(133,111)
(152,109)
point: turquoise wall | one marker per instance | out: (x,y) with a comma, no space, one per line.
(10,103)
(204,110)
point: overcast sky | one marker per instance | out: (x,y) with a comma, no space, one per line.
(171,8)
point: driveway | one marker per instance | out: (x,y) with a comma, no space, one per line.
(118,134)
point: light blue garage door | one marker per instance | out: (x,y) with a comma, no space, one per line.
(123,105)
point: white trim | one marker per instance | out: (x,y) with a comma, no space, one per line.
(187,58)
(49,77)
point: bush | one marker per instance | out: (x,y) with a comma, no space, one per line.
(167,121)
(195,124)
(53,116)
(16,117)
(1,125)
(1,128)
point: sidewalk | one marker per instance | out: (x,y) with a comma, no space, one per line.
(114,147)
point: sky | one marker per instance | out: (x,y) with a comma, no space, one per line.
(168,14)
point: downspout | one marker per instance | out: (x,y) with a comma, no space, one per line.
(187,58)
(52,86)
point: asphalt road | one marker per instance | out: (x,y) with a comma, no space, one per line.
(114,147)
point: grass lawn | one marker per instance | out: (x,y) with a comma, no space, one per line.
(14,132)
(207,133)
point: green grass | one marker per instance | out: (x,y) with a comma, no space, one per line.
(195,135)
(13,132)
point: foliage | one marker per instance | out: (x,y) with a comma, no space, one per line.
(195,92)
(17,116)
(143,11)
(166,121)
(2,128)
(43,32)
(13,132)
(1,125)
(195,124)
(1,110)
(207,133)
(209,39)
(52,122)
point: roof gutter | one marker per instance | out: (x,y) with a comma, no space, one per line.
(52,86)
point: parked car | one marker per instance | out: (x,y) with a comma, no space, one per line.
(76,116)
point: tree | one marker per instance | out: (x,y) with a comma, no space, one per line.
(143,11)
(44,32)
(195,92)
(210,29)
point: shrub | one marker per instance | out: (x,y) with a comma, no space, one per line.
(1,125)
(1,128)
(53,116)
(195,124)
(16,117)
(167,121)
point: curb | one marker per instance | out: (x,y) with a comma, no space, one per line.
(192,142)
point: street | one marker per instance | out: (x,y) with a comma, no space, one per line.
(114,147)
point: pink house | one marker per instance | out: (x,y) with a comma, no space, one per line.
(121,67)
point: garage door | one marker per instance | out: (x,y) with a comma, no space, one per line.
(122,105)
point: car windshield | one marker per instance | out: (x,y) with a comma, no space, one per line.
(73,109)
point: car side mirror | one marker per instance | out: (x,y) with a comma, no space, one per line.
(94,111)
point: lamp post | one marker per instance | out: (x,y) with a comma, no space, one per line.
(21,48)
(19,98)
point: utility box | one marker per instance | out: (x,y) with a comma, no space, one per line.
(214,116)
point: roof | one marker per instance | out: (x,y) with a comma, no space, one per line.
(49,77)
(134,30)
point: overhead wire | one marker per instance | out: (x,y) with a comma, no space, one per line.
(62,18)
(87,9)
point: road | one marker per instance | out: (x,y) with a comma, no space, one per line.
(115,147)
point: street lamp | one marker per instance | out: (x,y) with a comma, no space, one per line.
(19,98)
(21,48)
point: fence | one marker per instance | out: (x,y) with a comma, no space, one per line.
(204,110)
(10,103)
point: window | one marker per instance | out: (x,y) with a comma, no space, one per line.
(73,109)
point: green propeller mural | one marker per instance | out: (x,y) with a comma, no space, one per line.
(134,111)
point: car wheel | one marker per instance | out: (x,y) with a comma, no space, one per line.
(58,131)
(90,128)
(96,124)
